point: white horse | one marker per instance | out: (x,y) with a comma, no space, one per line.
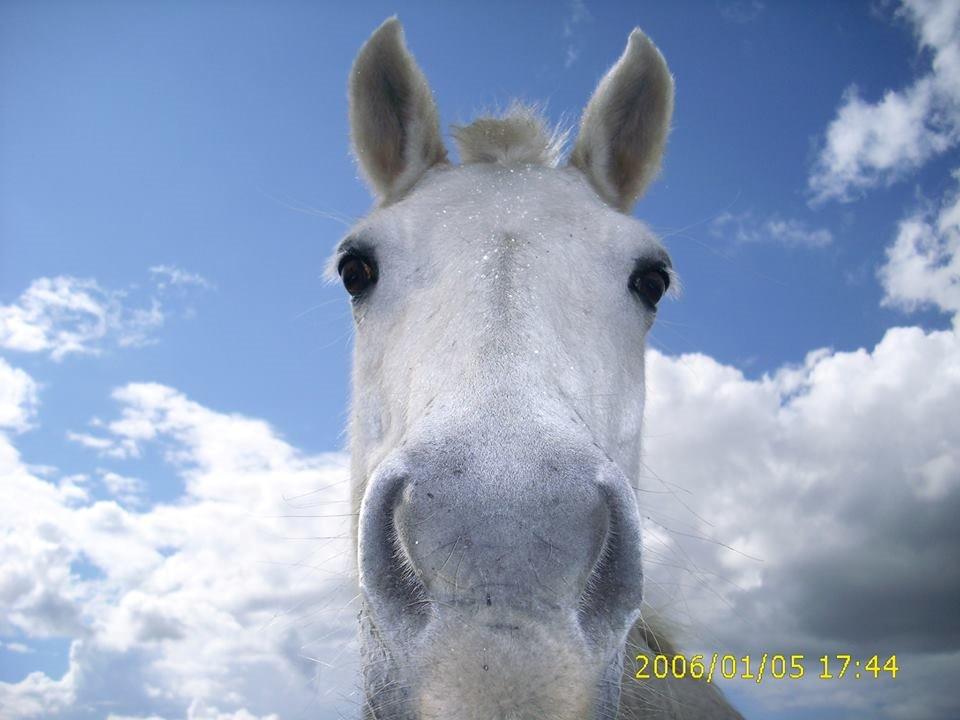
(501,311)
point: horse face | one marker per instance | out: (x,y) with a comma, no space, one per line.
(501,309)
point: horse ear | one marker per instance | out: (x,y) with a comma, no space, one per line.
(393,120)
(624,127)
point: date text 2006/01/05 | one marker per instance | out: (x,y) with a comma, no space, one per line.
(768,665)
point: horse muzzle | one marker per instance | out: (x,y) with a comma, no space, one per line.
(496,589)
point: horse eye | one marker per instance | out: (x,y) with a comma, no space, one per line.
(357,273)
(650,285)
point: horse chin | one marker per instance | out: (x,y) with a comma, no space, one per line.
(477,666)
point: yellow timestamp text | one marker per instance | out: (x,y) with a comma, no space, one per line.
(767,665)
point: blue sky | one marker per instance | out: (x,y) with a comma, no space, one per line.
(183,168)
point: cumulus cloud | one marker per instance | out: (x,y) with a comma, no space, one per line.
(200,710)
(861,448)
(127,490)
(747,228)
(65,315)
(922,267)
(872,143)
(38,695)
(60,315)
(18,398)
(813,509)
(210,607)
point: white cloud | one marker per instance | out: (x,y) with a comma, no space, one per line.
(65,315)
(871,143)
(577,14)
(91,441)
(923,263)
(18,398)
(207,608)
(171,275)
(61,315)
(836,484)
(200,710)
(16,647)
(136,329)
(747,228)
(38,695)
(129,491)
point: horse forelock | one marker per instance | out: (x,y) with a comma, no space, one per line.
(519,136)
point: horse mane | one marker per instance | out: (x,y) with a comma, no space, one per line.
(521,135)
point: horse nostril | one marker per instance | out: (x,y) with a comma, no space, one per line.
(388,578)
(614,588)
(593,597)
